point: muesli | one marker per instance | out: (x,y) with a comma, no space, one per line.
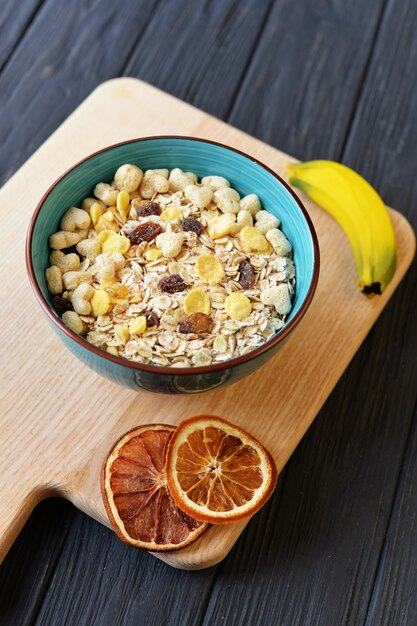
(160,268)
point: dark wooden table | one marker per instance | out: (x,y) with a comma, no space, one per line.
(337,544)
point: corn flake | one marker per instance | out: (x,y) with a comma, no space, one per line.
(197,301)
(100,302)
(138,325)
(252,240)
(238,306)
(209,269)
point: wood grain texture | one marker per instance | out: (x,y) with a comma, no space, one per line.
(327,558)
(305,75)
(143,591)
(37,550)
(387,111)
(14,24)
(70,390)
(71,49)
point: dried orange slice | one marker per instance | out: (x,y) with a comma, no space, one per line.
(135,494)
(217,472)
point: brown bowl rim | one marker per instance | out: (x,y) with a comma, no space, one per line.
(159,369)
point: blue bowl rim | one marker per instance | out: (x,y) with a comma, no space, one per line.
(158,369)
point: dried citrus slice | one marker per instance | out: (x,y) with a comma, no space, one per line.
(135,495)
(217,472)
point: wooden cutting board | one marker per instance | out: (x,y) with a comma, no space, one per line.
(58,418)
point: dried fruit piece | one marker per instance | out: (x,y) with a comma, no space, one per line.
(172,284)
(61,305)
(145,232)
(247,276)
(238,306)
(195,323)
(216,471)
(193,225)
(209,269)
(151,208)
(197,301)
(133,483)
(151,319)
(121,333)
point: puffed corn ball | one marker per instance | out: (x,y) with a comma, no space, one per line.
(252,240)
(215,182)
(278,241)
(170,243)
(128,177)
(154,181)
(209,269)
(65,262)
(80,298)
(138,325)
(250,203)
(227,199)
(200,196)
(63,239)
(197,301)
(178,180)
(266,221)
(74,322)
(238,306)
(89,248)
(53,278)
(279,297)
(73,279)
(106,193)
(75,218)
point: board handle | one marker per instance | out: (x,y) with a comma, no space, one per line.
(14,513)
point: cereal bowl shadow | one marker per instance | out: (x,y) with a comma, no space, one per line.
(246,175)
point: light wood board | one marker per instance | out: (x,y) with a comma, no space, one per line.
(58,418)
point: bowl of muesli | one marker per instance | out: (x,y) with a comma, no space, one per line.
(172,264)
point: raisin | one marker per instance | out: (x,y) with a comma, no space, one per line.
(172,283)
(247,274)
(195,323)
(190,223)
(151,208)
(144,232)
(61,305)
(151,319)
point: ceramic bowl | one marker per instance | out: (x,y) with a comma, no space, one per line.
(203,157)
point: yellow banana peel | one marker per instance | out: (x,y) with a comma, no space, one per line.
(359,210)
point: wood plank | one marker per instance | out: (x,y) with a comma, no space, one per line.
(101,580)
(322,546)
(206,63)
(27,570)
(14,24)
(71,51)
(387,111)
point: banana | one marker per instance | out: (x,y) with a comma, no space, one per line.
(359,210)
